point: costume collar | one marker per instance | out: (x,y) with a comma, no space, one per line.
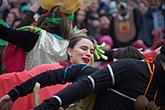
(65,63)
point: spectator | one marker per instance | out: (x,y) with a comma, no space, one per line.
(93,19)
(80,19)
(128,26)
(11,18)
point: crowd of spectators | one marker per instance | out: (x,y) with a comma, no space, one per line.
(99,18)
(125,26)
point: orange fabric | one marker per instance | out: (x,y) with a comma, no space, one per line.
(150,56)
(151,76)
(10,80)
(151,70)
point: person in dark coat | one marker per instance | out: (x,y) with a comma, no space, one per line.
(123,81)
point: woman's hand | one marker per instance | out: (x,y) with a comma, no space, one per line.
(6,103)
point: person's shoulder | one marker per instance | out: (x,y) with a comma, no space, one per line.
(45,67)
(129,61)
(81,66)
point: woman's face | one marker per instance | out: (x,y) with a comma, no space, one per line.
(82,53)
(81,16)
(143,8)
(104,22)
(10,18)
(94,7)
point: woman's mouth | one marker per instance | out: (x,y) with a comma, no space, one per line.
(85,60)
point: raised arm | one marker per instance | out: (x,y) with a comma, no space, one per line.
(24,39)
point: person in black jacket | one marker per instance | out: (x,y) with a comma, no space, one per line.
(123,81)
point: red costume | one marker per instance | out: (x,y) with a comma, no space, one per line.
(8,81)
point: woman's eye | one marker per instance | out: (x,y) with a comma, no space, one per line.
(83,48)
(92,51)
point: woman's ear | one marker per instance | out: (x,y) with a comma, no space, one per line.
(69,51)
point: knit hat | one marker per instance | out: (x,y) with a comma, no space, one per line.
(106,39)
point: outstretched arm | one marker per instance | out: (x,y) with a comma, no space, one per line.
(24,39)
(61,76)
(98,81)
(52,77)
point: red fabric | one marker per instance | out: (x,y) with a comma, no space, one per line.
(14,58)
(157,42)
(138,44)
(8,81)
(151,56)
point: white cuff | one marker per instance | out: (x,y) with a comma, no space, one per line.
(111,73)
(59,99)
(93,82)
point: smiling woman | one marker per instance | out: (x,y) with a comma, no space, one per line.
(80,51)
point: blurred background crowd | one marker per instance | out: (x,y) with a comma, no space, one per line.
(118,23)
